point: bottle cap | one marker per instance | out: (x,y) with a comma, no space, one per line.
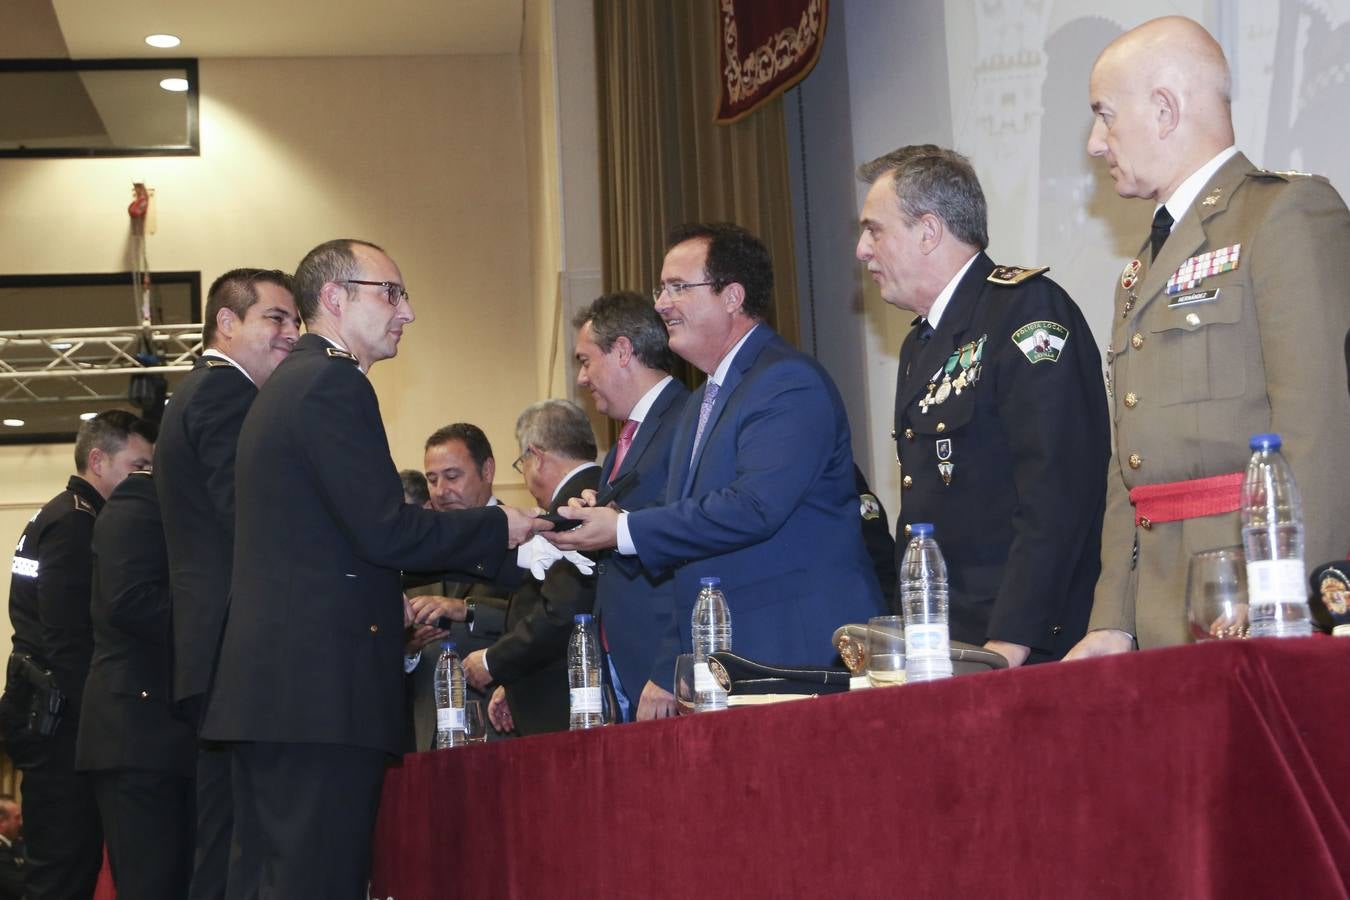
(581,619)
(921,529)
(710,581)
(447,645)
(1265,442)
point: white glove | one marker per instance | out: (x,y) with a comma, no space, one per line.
(537,554)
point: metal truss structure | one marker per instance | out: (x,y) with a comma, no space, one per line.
(62,364)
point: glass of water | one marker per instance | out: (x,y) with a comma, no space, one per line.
(1216,595)
(475,722)
(886,650)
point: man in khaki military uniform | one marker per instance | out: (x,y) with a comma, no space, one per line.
(1228,323)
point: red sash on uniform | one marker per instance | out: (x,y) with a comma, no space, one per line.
(1177,500)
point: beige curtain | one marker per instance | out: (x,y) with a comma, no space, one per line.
(663,159)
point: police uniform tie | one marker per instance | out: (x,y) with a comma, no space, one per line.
(1162,227)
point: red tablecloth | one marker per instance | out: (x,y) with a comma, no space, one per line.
(1218,770)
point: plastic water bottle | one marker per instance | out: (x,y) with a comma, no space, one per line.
(449,698)
(583,674)
(923,599)
(711,628)
(1272,534)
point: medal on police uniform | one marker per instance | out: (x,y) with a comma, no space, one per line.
(944,455)
(944,390)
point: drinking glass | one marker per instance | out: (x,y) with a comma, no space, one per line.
(475,722)
(1216,595)
(886,650)
(684,682)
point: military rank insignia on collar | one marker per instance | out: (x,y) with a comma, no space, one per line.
(215,362)
(1040,341)
(1009,275)
(84,505)
(337,353)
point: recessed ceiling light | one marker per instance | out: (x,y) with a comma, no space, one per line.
(14,423)
(162,41)
(85,417)
(177,85)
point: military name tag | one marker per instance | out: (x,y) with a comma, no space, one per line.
(1194,297)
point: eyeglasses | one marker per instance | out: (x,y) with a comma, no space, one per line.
(519,464)
(676,288)
(393,291)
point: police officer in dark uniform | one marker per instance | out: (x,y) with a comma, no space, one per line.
(250,325)
(1000,410)
(53,643)
(140,751)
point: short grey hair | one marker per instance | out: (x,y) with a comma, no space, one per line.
(557,426)
(630,315)
(933,179)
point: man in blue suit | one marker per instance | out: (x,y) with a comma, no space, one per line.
(760,490)
(624,359)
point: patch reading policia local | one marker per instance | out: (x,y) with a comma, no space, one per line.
(1040,341)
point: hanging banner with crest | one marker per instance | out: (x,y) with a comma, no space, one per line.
(767,46)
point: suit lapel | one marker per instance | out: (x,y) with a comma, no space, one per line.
(745,358)
(652,423)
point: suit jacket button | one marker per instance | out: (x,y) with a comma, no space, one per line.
(374,629)
(909,433)
(907,530)
(941,427)
(1056,629)
(1145,523)
(600,569)
(1137,340)
(1131,400)
(1136,460)
(907,481)
(145,695)
(892,434)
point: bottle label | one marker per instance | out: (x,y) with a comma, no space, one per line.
(451,719)
(586,700)
(1276,581)
(927,642)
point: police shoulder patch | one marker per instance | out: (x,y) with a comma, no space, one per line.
(1041,340)
(1009,275)
(869,506)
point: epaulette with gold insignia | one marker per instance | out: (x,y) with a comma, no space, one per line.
(84,505)
(215,362)
(1008,275)
(341,354)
